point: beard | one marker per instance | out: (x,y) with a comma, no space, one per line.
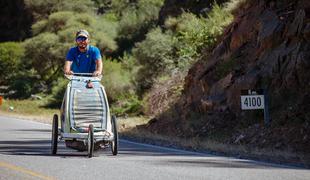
(82,46)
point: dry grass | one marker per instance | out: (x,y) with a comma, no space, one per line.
(127,124)
(27,109)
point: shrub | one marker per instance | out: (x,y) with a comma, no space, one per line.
(42,9)
(135,20)
(55,35)
(24,84)
(11,54)
(193,34)
(117,80)
(128,104)
(57,93)
(154,54)
(46,55)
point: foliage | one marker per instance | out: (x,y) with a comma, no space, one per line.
(116,79)
(55,35)
(179,46)
(125,29)
(11,54)
(194,34)
(136,18)
(103,34)
(129,62)
(128,104)
(16,73)
(57,94)
(42,9)
(234,5)
(24,85)
(154,54)
(45,54)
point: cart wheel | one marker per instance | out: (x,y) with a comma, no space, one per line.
(90,141)
(54,134)
(114,143)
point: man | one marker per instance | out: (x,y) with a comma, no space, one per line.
(83,58)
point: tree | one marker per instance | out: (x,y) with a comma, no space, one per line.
(55,35)
(154,54)
(11,54)
(42,9)
(45,53)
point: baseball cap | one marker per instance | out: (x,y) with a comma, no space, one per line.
(83,33)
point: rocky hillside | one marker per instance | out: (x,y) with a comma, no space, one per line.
(266,47)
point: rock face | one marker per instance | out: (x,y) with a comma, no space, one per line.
(266,47)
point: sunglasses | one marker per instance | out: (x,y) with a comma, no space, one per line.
(80,39)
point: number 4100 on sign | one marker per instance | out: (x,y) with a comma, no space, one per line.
(249,102)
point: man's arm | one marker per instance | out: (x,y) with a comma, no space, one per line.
(98,68)
(67,67)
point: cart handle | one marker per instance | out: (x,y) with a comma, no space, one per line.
(78,76)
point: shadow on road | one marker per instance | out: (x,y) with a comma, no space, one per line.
(25,145)
(223,163)
(33,130)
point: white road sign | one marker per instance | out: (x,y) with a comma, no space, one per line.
(249,102)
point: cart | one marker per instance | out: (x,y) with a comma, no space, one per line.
(85,120)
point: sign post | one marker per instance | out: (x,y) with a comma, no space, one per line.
(266,109)
(256,99)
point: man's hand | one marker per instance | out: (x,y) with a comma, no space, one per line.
(68,72)
(67,68)
(96,73)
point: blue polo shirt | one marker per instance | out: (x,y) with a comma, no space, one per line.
(83,62)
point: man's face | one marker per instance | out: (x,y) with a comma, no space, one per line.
(82,42)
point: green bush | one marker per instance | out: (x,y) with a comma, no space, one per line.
(135,20)
(116,79)
(11,54)
(193,34)
(42,9)
(154,54)
(46,55)
(24,84)
(128,104)
(21,82)
(57,93)
(46,51)
(120,90)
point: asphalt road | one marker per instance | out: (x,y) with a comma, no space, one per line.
(25,154)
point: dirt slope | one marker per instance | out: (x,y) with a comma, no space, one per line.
(266,47)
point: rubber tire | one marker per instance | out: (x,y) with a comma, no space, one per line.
(54,135)
(90,141)
(114,143)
